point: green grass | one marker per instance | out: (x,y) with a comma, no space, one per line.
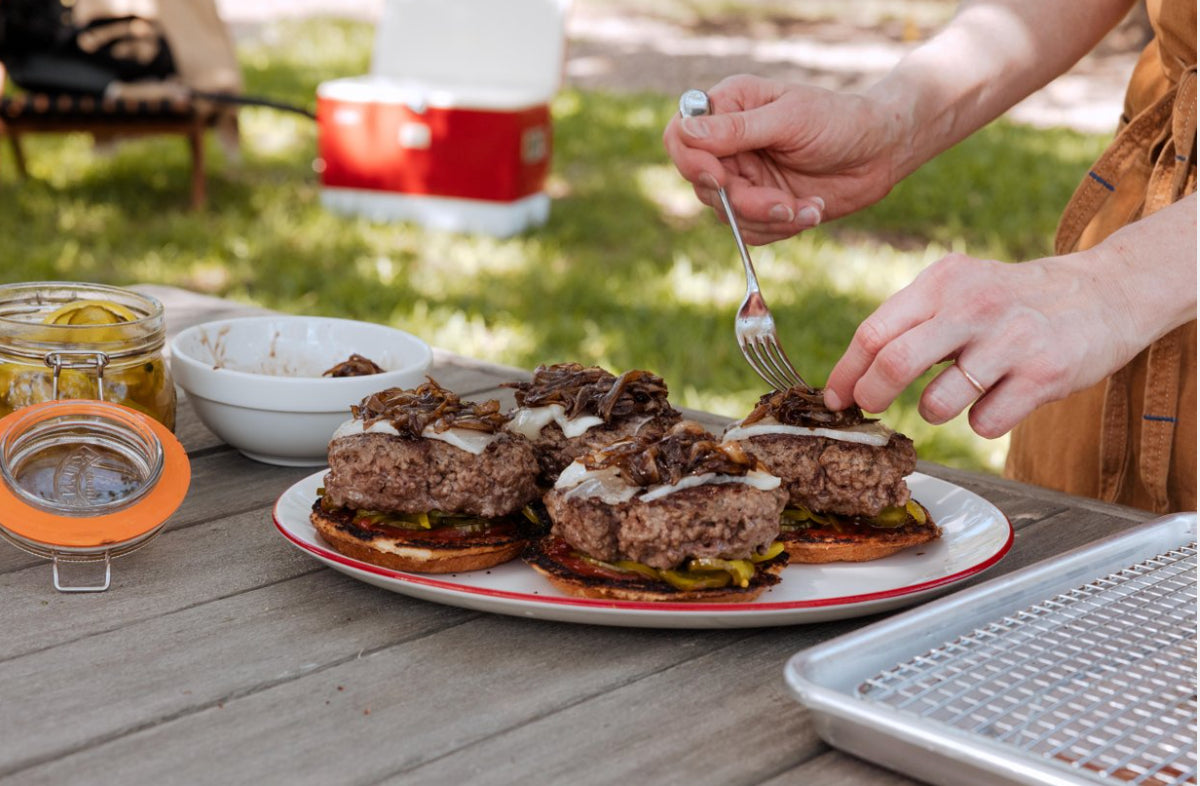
(628,273)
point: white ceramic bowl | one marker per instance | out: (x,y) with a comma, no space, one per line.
(256,381)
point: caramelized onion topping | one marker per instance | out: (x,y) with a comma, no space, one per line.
(590,390)
(429,406)
(799,407)
(355,366)
(687,449)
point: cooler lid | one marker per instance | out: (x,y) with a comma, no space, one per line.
(515,44)
(420,95)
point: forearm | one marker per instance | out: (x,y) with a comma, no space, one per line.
(1148,270)
(990,56)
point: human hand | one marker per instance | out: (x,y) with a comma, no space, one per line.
(787,155)
(1027,333)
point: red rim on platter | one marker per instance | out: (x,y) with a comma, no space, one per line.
(976,535)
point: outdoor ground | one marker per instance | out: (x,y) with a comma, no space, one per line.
(629,272)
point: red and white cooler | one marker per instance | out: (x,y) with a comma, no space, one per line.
(452,128)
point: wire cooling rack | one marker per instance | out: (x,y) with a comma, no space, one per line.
(1101,678)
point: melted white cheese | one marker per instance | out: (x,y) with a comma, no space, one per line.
(873,433)
(607,486)
(603,484)
(470,440)
(759,480)
(530,421)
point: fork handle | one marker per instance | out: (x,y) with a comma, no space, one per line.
(694,103)
(751,276)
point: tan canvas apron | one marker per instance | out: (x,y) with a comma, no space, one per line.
(1131,438)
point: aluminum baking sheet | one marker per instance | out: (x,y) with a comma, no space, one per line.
(1077,670)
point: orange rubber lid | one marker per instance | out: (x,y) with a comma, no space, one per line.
(89,424)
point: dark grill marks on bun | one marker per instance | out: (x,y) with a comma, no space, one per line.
(575,574)
(813,538)
(455,547)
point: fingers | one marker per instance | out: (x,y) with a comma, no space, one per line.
(890,349)
(744,117)
(695,164)
(765,214)
(953,390)
(996,404)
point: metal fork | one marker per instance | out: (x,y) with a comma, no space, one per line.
(754,325)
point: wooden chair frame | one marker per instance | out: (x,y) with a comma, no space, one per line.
(192,126)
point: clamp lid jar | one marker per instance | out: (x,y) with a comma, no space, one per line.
(62,340)
(86,481)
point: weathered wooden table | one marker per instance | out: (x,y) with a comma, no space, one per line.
(224,655)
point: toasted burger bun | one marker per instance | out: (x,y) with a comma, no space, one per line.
(856,542)
(421,551)
(556,560)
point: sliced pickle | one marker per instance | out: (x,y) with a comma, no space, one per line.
(90,312)
(740,570)
(629,566)
(691,580)
(421,521)
(620,566)
(773,551)
(893,517)
(794,526)
(889,518)
(700,573)
(797,514)
(795,519)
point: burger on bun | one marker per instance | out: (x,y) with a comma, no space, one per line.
(844,475)
(420,480)
(668,517)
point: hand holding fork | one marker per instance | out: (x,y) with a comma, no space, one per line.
(754,326)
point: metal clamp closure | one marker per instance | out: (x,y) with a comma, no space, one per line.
(77,358)
(61,586)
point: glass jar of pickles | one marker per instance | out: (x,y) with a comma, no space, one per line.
(65,340)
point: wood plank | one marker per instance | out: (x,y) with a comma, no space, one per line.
(183,309)
(178,569)
(103,687)
(984,482)
(723,717)
(189,430)
(473,378)
(1063,532)
(321,712)
(835,768)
